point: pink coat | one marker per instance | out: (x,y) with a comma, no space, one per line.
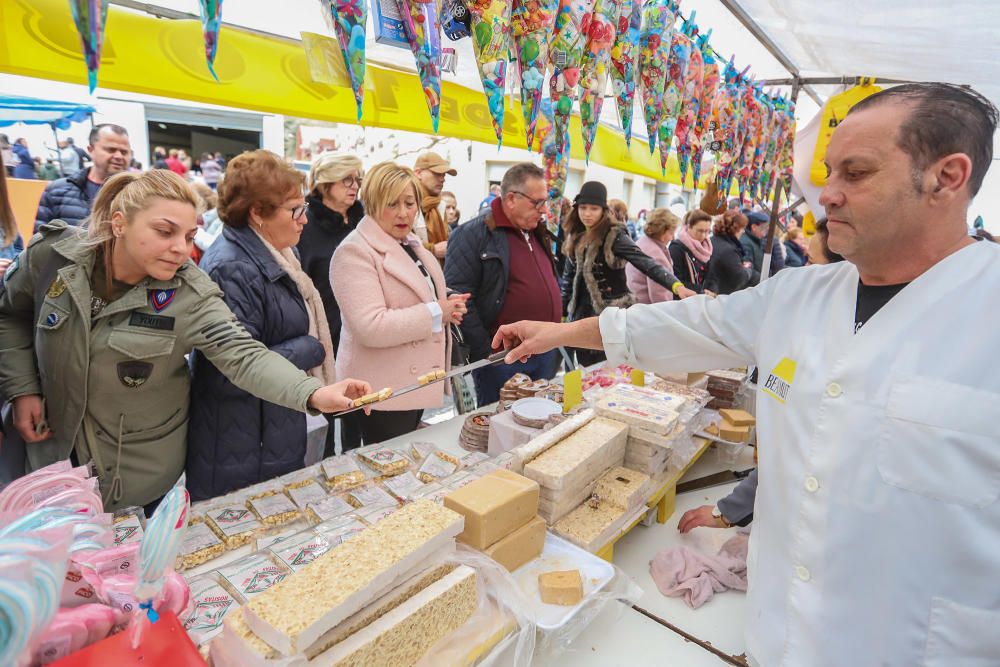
(647,290)
(387,338)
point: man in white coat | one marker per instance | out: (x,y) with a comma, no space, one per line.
(876,537)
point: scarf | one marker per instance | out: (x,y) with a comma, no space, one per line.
(319,328)
(700,249)
(437,231)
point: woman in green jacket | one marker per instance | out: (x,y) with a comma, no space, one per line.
(94,329)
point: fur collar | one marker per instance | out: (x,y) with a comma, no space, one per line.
(586,258)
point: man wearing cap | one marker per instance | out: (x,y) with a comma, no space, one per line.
(753,246)
(431,169)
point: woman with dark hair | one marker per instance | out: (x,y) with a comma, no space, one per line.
(819,246)
(597,250)
(728,272)
(692,249)
(11,243)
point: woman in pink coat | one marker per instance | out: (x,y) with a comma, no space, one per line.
(394,304)
(659,231)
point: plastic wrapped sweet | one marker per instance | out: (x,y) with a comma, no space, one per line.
(624,62)
(347,18)
(658,17)
(709,87)
(599,32)
(531,23)
(211,21)
(421,22)
(342,472)
(691,102)
(200,544)
(674,93)
(90,18)
(566,55)
(491,42)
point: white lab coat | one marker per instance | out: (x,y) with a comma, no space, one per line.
(876,534)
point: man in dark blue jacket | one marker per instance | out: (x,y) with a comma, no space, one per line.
(70,198)
(503,258)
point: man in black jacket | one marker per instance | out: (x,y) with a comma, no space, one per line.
(753,246)
(70,198)
(503,258)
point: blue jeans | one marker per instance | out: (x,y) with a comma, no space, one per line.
(490,379)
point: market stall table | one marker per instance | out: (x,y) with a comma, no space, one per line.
(720,621)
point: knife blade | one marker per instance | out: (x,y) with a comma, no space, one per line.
(717,479)
(424,380)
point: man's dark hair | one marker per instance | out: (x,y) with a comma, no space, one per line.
(69,140)
(944,119)
(95,133)
(518,175)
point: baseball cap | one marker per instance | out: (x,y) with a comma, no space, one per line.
(435,163)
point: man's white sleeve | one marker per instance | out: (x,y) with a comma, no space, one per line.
(696,334)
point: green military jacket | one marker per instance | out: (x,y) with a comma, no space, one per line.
(116,387)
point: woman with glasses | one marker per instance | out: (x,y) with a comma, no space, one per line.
(691,250)
(334,212)
(236,439)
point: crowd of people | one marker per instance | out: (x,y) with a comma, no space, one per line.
(343,273)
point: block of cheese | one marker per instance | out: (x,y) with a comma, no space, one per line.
(403,636)
(738,417)
(295,613)
(564,588)
(623,487)
(582,456)
(734,433)
(528,451)
(519,547)
(494,506)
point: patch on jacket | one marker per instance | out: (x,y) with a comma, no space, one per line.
(161,298)
(145,320)
(133,374)
(12,268)
(57,287)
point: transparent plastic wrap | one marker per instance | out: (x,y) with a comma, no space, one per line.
(129,524)
(500,632)
(210,604)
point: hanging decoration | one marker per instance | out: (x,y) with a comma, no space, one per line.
(90,17)
(556,161)
(421,22)
(723,125)
(624,53)
(211,21)
(674,94)
(688,119)
(491,42)
(600,35)
(531,23)
(566,51)
(709,89)
(348,18)
(658,18)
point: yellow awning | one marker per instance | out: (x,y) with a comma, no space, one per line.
(143,54)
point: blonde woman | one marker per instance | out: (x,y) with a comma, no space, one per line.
(661,225)
(95,325)
(11,243)
(394,304)
(333,211)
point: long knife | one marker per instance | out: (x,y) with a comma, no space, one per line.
(718,479)
(424,380)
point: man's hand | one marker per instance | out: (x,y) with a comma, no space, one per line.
(29,418)
(339,396)
(526,338)
(699,516)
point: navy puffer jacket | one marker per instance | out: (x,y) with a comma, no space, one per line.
(65,199)
(235,439)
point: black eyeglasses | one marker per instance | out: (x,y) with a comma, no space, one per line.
(297,211)
(351,180)
(536,203)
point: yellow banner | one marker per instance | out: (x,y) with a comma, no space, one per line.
(143,54)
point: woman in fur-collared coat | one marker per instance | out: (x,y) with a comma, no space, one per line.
(597,249)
